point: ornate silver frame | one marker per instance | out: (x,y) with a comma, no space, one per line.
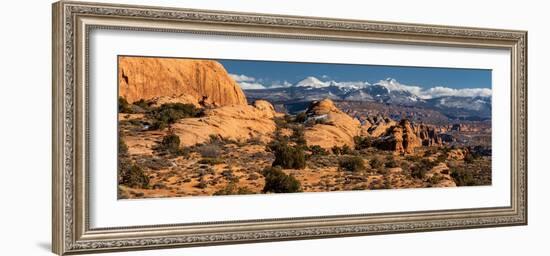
(72,21)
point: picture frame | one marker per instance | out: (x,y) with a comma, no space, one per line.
(73,22)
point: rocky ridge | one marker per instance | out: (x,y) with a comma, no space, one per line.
(198,82)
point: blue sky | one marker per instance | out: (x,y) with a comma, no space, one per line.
(269,72)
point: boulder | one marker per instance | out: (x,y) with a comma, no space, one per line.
(336,129)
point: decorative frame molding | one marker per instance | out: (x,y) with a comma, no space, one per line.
(72,22)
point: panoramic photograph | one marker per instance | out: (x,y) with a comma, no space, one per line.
(215,127)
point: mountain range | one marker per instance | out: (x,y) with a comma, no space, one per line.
(456,104)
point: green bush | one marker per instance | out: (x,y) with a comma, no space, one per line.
(436,178)
(122,147)
(344,150)
(419,169)
(442,157)
(288,157)
(300,117)
(232,189)
(469,158)
(276,181)
(124,106)
(317,150)
(336,150)
(211,161)
(202,184)
(145,105)
(362,142)
(298,135)
(463,177)
(347,150)
(169,113)
(209,150)
(170,144)
(391,162)
(132,175)
(376,163)
(351,163)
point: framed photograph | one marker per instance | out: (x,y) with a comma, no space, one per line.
(178,127)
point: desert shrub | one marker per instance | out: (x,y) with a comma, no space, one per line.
(298,135)
(276,181)
(124,106)
(202,184)
(404,166)
(153,163)
(347,150)
(170,113)
(170,144)
(132,175)
(351,163)
(211,161)
(232,189)
(256,140)
(228,174)
(143,104)
(244,191)
(442,157)
(336,150)
(376,163)
(463,177)
(391,162)
(362,142)
(300,117)
(160,186)
(435,179)
(208,150)
(322,121)
(282,122)
(288,157)
(344,150)
(122,147)
(317,150)
(413,158)
(419,169)
(469,158)
(387,183)
(253,176)
(219,140)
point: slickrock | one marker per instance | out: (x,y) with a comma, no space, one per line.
(195,81)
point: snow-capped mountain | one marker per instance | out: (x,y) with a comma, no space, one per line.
(452,102)
(312,82)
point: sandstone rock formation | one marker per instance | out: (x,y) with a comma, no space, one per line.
(405,137)
(194,81)
(237,122)
(379,125)
(335,129)
(400,138)
(428,135)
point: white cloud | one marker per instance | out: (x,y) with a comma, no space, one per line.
(251,86)
(284,84)
(242,78)
(435,92)
(247,82)
(466,92)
